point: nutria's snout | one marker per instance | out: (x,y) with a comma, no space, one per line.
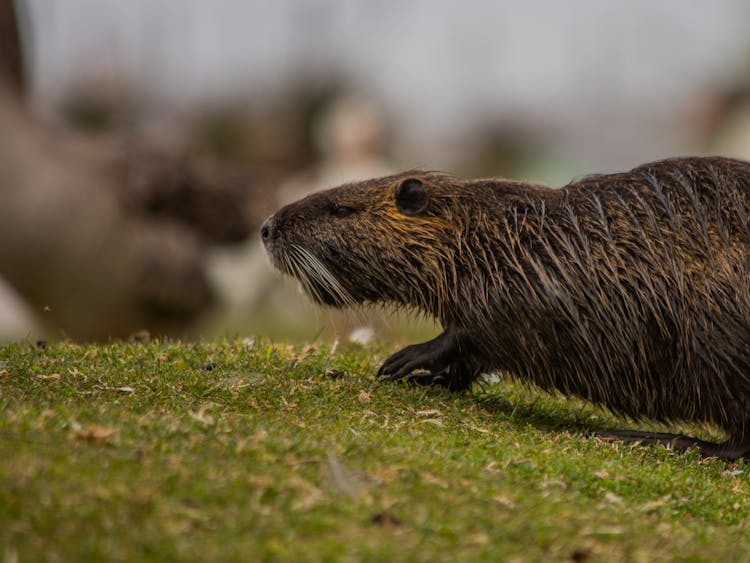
(267,230)
(269,235)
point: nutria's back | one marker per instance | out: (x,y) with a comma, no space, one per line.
(631,290)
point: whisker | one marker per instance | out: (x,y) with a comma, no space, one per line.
(317,271)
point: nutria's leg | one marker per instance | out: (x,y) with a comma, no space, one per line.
(444,358)
(726,450)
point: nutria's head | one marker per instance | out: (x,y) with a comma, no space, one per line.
(389,240)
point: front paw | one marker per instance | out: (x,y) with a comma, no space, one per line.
(407,360)
(434,356)
(446,361)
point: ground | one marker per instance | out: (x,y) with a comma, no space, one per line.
(253,450)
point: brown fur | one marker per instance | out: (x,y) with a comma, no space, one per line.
(630,290)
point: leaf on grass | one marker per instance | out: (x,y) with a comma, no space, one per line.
(93,433)
(203,417)
(545,484)
(611,499)
(306,495)
(342,479)
(493,468)
(478,538)
(126,389)
(239,382)
(613,530)
(435,421)
(431,479)
(504,501)
(652,505)
(51,376)
(477,429)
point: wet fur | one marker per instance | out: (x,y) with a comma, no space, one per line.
(630,290)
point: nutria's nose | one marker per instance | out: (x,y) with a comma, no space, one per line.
(266,230)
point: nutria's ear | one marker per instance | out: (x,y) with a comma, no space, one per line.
(412,197)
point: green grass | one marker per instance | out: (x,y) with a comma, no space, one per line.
(259,451)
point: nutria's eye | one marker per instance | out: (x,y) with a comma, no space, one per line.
(340,211)
(412,197)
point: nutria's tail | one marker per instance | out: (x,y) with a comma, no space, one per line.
(728,450)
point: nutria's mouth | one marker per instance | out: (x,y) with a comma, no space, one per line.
(317,281)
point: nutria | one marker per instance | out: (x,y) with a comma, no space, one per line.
(629,290)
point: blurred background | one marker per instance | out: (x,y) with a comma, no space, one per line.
(142,143)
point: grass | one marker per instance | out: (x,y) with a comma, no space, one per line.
(253,450)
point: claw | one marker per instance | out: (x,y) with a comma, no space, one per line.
(428,379)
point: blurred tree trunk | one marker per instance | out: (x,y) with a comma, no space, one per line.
(11,56)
